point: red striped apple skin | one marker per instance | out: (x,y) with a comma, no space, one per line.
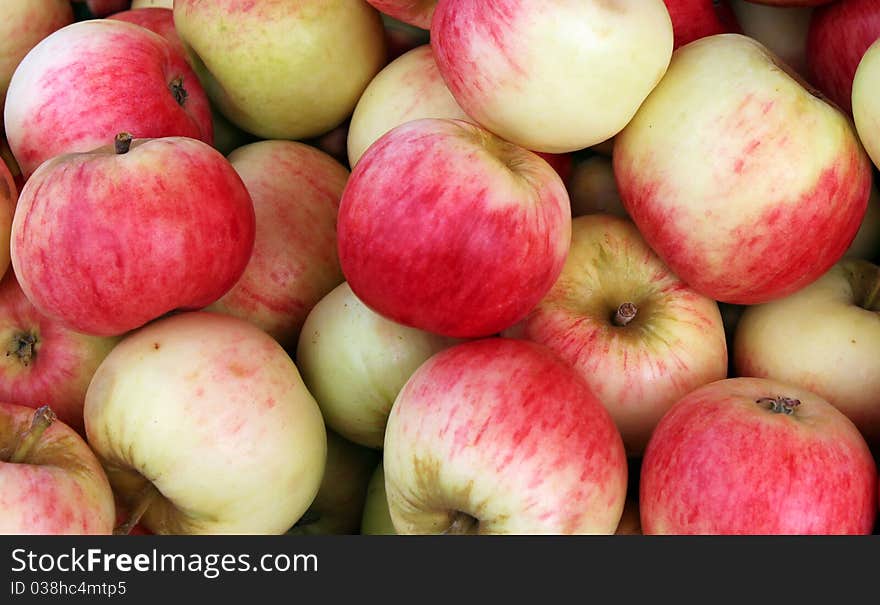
(104,243)
(158,20)
(720,462)
(87,82)
(509,434)
(446,228)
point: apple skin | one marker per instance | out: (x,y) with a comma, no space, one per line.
(102,8)
(295,190)
(839,35)
(24,24)
(158,20)
(412,12)
(781,29)
(45,363)
(354,362)
(376,519)
(471,243)
(674,344)
(148,3)
(721,462)
(695,19)
(824,338)
(785,3)
(501,436)
(285,70)
(128,254)
(754,222)
(59,488)
(866,106)
(526,70)
(53,109)
(212,411)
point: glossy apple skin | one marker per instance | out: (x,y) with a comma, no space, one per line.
(839,35)
(413,12)
(506,432)
(53,108)
(60,487)
(130,255)
(736,197)
(296,190)
(866,105)
(720,462)
(695,19)
(837,357)
(213,412)
(638,371)
(526,70)
(471,242)
(158,20)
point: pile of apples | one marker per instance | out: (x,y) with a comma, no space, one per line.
(439,266)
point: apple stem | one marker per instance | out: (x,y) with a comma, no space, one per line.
(43,419)
(462,524)
(122,142)
(780,404)
(625,313)
(178,91)
(143,501)
(22,346)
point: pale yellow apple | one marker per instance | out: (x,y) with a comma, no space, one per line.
(866,101)
(376,520)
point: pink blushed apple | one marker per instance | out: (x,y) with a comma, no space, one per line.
(501,436)
(446,228)
(88,81)
(156,19)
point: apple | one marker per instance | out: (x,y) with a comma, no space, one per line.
(105,241)
(785,3)
(8,199)
(447,228)
(44,362)
(354,362)
(639,337)
(695,19)
(50,481)
(295,190)
(412,12)
(746,184)
(158,20)
(376,519)
(526,71)
(288,70)
(501,436)
(204,427)
(93,79)
(339,504)
(102,8)
(757,456)
(825,338)
(149,3)
(865,104)
(782,29)
(839,35)
(24,24)
(592,187)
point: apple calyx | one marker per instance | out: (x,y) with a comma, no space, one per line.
(177,90)
(462,524)
(780,404)
(141,503)
(42,420)
(24,347)
(122,143)
(624,314)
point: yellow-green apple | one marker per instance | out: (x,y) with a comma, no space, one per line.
(8,200)
(639,336)
(24,24)
(756,456)
(698,172)
(339,503)
(108,240)
(865,102)
(149,3)
(866,244)
(355,362)
(447,228)
(412,12)
(501,436)
(204,425)
(825,338)
(695,19)
(592,187)
(526,70)
(44,363)
(90,80)
(781,29)
(50,481)
(281,69)
(295,190)
(376,520)
(839,35)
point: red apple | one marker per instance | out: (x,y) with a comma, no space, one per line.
(839,35)
(88,81)
(102,8)
(50,481)
(695,19)
(791,2)
(156,19)
(104,242)
(756,456)
(501,436)
(447,228)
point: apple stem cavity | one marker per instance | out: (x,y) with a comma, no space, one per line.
(178,91)
(462,524)
(625,313)
(43,419)
(780,404)
(23,346)
(122,143)
(143,501)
